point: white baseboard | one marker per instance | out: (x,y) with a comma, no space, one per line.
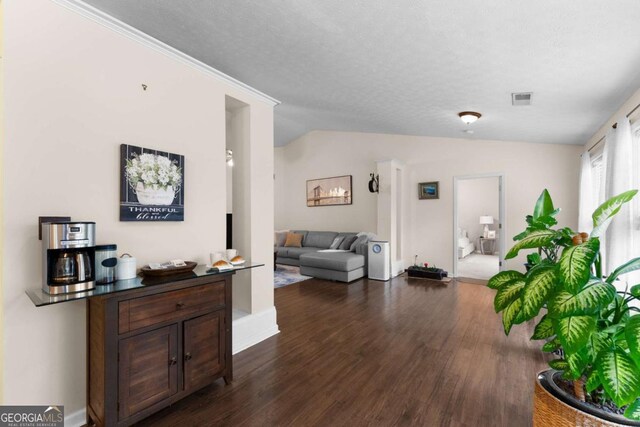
(76,419)
(250,330)
(397,267)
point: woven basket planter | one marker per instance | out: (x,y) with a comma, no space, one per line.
(550,411)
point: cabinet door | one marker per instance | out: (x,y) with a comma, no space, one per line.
(148,369)
(204,348)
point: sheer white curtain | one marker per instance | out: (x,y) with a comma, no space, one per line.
(619,245)
(634,278)
(586,204)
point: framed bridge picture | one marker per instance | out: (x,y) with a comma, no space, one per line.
(332,191)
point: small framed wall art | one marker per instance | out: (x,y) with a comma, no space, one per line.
(329,191)
(151,185)
(428,190)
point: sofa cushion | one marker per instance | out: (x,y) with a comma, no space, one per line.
(339,261)
(319,239)
(294,240)
(347,242)
(359,240)
(336,242)
(303,232)
(280,237)
(297,252)
(282,251)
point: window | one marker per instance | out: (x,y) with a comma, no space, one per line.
(597,179)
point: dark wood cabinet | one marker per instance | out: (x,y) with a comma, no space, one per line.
(204,349)
(152,346)
(148,369)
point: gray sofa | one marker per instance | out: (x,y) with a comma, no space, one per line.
(343,266)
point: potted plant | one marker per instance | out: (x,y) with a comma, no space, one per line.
(592,327)
(426,272)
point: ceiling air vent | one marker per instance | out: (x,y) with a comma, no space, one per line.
(521,98)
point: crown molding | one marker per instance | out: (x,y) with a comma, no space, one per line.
(138,36)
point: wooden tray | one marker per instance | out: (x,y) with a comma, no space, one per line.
(169,271)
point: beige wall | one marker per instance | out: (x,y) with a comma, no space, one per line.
(2,138)
(73,94)
(528,168)
(478,197)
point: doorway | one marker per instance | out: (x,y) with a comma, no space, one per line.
(478,225)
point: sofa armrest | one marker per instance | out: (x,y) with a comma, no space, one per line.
(363,249)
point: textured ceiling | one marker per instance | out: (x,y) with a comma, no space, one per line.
(409,66)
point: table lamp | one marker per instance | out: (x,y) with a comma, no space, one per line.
(486,220)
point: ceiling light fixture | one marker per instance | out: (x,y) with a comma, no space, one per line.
(469,116)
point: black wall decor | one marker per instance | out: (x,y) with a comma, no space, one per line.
(374,183)
(151,185)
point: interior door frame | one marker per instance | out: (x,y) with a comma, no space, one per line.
(502,212)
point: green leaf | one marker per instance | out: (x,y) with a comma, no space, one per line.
(574,331)
(625,268)
(544,329)
(510,314)
(534,258)
(535,239)
(635,291)
(507,293)
(503,277)
(551,346)
(575,264)
(577,362)
(559,364)
(619,376)
(632,335)
(633,410)
(546,221)
(593,382)
(603,215)
(598,342)
(591,299)
(520,236)
(544,205)
(540,282)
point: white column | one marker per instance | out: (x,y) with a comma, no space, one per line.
(392,210)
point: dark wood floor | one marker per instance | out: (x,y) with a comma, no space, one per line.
(405,352)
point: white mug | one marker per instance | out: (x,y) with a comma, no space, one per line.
(215,257)
(231,253)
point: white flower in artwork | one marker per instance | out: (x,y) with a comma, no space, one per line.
(153,171)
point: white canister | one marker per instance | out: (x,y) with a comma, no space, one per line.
(126,267)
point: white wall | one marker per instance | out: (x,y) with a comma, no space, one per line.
(73,95)
(477,197)
(528,168)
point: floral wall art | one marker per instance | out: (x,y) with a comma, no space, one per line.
(151,185)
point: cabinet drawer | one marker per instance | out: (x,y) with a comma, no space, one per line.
(146,311)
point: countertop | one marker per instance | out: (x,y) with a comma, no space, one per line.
(41,298)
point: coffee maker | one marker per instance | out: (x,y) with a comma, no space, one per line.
(69,254)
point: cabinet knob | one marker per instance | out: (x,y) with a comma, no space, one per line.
(180,305)
(187,356)
(173,361)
